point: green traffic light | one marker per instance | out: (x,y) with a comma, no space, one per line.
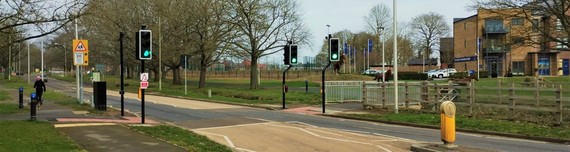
(146,53)
(294,60)
(334,56)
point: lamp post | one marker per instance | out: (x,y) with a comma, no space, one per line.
(380,30)
(395,60)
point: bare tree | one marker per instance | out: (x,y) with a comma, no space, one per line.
(378,17)
(264,27)
(37,18)
(549,19)
(210,33)
(428,29)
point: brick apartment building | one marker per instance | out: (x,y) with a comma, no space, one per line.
(504,44)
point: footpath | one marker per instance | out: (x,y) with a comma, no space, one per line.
(94,132)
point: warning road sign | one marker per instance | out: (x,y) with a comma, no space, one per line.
(80,52)
(80,46)
(144,77)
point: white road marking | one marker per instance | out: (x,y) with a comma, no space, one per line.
(82,125)
(200,129)
(228,140)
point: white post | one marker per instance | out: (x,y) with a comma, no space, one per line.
(28,62)
(9,57)
(42,64)
(77,69)
(395,61)
(185,75)
(477,54)
(159,55)
(383,62)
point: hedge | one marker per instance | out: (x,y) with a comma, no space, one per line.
(412,76)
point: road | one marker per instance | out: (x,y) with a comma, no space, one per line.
(238,127)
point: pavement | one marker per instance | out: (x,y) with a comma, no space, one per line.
(96,132)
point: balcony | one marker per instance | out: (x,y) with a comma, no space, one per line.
(495,30)
(497,49)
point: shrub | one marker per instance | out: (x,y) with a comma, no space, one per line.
(412,76)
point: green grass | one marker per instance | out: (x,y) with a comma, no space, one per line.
(4,95)
(522,128)
(33,136)
(181,137)
(8,108)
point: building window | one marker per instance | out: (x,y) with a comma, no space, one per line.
(517,21)
(560,45)
(494,26)
(558,25)
(518,68)
(534,25)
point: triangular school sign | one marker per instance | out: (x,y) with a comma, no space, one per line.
(80,46)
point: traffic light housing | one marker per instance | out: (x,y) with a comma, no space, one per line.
(293,54)
(144,45)
(334,51)
(286,54)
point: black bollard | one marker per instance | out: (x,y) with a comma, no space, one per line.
(33,104)
(306,86)
(21,98)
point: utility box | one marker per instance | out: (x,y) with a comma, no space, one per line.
(100,95)
(447,114)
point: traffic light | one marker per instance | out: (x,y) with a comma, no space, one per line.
(144,45)
(334,51)
(293,55)
(286,54)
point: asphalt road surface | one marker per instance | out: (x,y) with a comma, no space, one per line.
(211,120)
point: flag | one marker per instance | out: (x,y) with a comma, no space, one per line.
(369,45)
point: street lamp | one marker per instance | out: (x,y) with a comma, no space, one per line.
(395,60)
(380,30)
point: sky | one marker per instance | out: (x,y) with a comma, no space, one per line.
(349,14)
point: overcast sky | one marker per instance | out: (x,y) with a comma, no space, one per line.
(349,14)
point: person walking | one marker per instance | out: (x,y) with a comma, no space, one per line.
(40,87)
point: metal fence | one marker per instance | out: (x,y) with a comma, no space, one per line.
(343,91)
(380,94)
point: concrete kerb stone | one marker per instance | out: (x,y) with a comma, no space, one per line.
(552,140)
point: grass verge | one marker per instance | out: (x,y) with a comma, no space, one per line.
(181,137)
(33,136)
(513,127)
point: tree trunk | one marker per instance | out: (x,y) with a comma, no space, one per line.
(176,76)
(202,82)
(253,76)
(130,71)
(155,73)
(164,74)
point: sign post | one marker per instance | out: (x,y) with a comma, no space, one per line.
(80,58)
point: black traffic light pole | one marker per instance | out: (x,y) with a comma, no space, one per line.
(122,91)
(142,90)
(283,86)
(323,75)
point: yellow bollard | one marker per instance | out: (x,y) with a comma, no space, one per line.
(447,114)
(140,93)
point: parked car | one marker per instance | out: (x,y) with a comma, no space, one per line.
(442,73)
(45,78)
(370,72)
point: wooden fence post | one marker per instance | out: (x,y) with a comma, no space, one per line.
(407,95)
(500,92)
(436,95)
(470,98)
(536,92)
(383,94)
(364,97)
(512,100)
(559,105)
(424,92)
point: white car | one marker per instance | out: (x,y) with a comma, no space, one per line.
(370,72)
(442,73)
